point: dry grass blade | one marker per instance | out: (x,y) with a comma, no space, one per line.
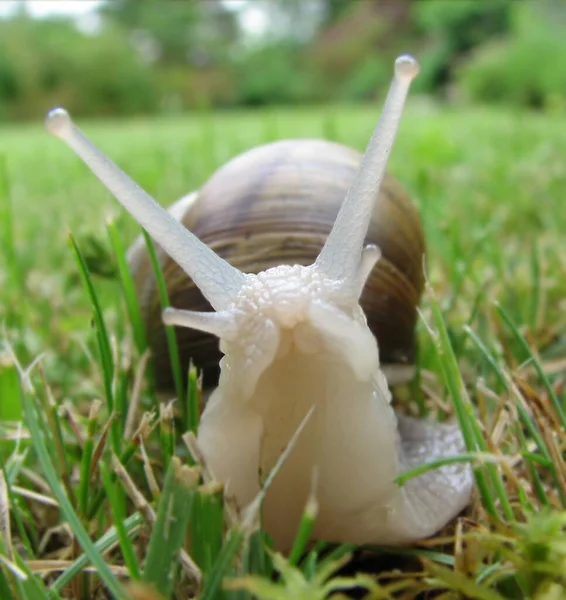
(13,432)
(12,567)
(440,577)
(138,499)
(68,414)
(143,591)
(5,527)
(101,445)
(135,398)
(31,495)
(149,474)
(47,567)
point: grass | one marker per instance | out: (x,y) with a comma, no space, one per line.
(93,490)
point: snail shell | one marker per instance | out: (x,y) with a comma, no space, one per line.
(275,204)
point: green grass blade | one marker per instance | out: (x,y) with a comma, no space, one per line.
(32,589)
(207,525)
(53,418)
(40,435)
(526,420)
(520,338)
(536,480)
(128,287)
(106,541)
(103,339)
(467,457)
(169,531)
(193,396)
(172,345)
(335,554)
(5,591)
(256,559)
(121,398)
(86,460)
(213,581)
(304,532)
(309,564)
(117,508)
(463,409)
(434,555)
(10,406)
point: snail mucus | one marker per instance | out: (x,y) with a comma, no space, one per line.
(296,344)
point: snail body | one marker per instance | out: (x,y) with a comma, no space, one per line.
(274,205)
(300,368)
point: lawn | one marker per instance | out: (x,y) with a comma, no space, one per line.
(490,187)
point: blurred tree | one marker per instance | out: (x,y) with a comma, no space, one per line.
(271,68)
(174,55)
(197,32)
(101,75)
(273,74)
(451,30)
(353,50)
(524,68)
(334,10)
(190,44)
(351,55)
(289,21)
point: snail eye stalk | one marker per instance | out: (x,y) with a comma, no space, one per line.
(217,280)
(340,256)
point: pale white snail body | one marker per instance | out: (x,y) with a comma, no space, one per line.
(296,345)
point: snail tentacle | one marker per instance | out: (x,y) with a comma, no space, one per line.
(340,255)
(370,255)
(217,279)
(221,324)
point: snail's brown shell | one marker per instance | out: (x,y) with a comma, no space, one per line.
(275,204)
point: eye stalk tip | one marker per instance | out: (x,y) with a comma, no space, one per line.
(58,122)
(373,251)
(407,66)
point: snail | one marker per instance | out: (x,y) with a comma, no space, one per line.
(300,363)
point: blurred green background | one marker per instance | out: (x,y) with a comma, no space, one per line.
(132,57)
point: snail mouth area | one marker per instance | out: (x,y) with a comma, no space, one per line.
(328,334)
(351,424)
(337,336)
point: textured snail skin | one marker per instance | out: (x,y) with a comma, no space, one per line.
(298,352)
